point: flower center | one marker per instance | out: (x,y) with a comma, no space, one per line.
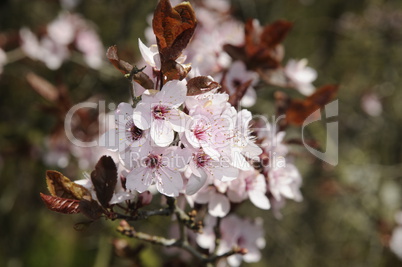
(133,133)
(201,132)
(159,112)
(153,161)
(201,159)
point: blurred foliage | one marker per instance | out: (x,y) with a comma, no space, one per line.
(347,214)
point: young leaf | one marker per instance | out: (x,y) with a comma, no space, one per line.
(104,179)
(61,186)
(261,49)
(173,28)
(201,84)
(126,68)
(62,205)
(91,209)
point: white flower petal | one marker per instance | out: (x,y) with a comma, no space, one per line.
(161,133)
(195,183)
(259,199)
(142,116)
(218,205)
(169,182)
(139,179)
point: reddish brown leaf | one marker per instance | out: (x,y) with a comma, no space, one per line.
(299,110)
(235,98)
(91,209)
(104,179)
(126,68)
(174,71)
(201,84)
(61,186)
(62,205)
(261,49)
(173,28)
(273,34)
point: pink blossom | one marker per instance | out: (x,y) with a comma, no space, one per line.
(158,166)
(235,232)
(218,203)
(158,111)
(285,182)
(241,233)
(89,43)
(301,75)
(249,184)
(202,167)
(126,135)
(62,29)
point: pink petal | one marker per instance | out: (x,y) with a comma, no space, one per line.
(169,182)
(218,205)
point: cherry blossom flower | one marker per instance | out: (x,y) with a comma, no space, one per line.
(150,55)
(285,182)
(301,75)
(243,144)
(201,167)
(249,184)
(235,232)
(211,125)
(242,233)
(158,166)
(159,112)
(218,203)
(126,136)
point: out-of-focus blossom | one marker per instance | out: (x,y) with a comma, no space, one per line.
(235,232)
(301,75)
(62,29)
(218,203)
(90,45)
(3,59)
(285,182)
(238,76)
(395,243)
(371,104)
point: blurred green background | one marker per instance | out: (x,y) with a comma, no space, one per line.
(347,213)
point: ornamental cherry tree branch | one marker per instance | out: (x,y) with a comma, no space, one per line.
(188,138)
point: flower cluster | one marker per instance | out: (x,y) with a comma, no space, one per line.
(186,135)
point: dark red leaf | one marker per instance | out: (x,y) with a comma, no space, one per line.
(126,68)
(91,209)
(299,110)
(201,84)
(62,205)
(104,179)
(173,28)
